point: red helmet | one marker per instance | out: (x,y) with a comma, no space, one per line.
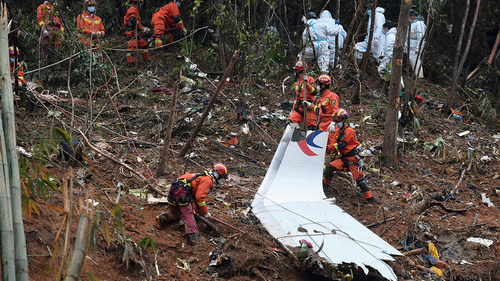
(221,169)
(325,79)
(299,66)
(339,115)
(90,2)
(11,50)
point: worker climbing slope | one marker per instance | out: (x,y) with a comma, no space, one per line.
(134,41)
(186,190)
(52,29)
(297,115)
(90,27)
(345,143)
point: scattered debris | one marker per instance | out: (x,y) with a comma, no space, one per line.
(486,200)
(482,241)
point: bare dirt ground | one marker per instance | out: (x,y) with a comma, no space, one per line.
(255,255)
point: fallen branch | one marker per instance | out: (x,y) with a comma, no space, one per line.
(462,177)
(380,222)
(105,154)
(207,223)
(416,252)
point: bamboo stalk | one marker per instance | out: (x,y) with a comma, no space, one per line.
(21,259)
(6,227)
(80,248)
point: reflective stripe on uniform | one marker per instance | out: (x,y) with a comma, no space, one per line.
(201,203)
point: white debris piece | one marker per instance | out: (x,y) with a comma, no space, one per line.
(23,152)
(463,133)
(291,197)
(482,241)
(486,200)
(485,158)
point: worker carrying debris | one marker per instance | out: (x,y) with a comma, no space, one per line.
(328,102)
(297,115)
(165,20)
(345,144)
(16,67)
(134,41)
(90,27)
(184,191)
(52,29)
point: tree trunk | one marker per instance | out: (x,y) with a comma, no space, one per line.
(460,39)
(449,102)
(494,50)
(391,120)
(168,134)
(9,124)
(209,105)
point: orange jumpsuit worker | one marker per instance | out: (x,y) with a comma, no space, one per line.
(345,143)
(90,27)
(172,19)
(133,20)
(297,115)
(181,195)
(328,102)
(15,65)
(52,28)
(158,21)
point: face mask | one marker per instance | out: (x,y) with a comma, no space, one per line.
(384,32)
(340,125)
(369,12)
(414,21)
(12,60)
(91,9)
(178,4)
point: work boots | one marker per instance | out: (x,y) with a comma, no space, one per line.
(367,193)
(193,238)
(161,220)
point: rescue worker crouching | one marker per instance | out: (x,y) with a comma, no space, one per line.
(16,67)
(132,22)
(297,114)
(183,191)
(171,18)
(328,102)
(344,142)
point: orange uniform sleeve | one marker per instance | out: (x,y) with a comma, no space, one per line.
(40,15)
(203,185)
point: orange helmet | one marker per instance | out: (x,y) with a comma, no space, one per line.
(221,169)
(299,66)
(90,2)
(325,79)
(11,50)
(340,115)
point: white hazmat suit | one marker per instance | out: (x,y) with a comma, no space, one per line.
(417,33)
(386,63)
(378,40)
(318,32)
(333,30)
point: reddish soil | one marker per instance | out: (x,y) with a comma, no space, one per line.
(252,254)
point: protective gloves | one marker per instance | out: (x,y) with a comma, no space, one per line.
(207,215)
(331,128)
(185,31)
(99,34)
(93,34)
(46,33)
(145,29)
(375,41)
(308,103)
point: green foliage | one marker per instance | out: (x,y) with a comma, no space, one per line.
(144,243)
